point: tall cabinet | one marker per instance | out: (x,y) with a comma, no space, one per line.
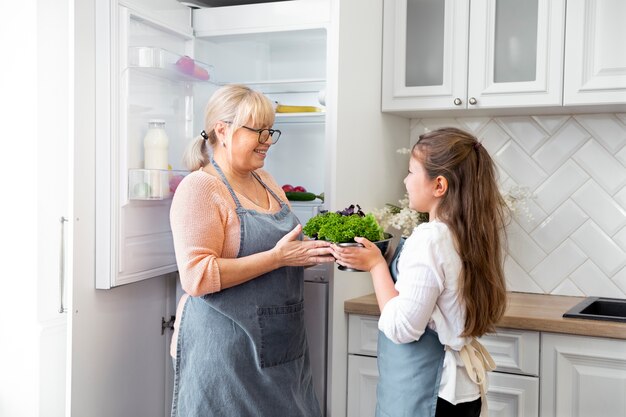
(455,54)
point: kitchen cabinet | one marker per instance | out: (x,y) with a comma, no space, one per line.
(595,57)
(484,54)
(362,381)
(362,365)
(582,376)
(513,386)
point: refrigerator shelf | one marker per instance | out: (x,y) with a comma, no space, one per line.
(169,65)
(279,86)
(153,184)
(308,117)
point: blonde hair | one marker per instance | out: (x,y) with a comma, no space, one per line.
(233,103)
(476,213)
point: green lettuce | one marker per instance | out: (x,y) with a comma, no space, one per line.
(343,226)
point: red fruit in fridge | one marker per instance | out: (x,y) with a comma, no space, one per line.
(174,181)
(299,189)
(185,64)
(287,188)
(200,73)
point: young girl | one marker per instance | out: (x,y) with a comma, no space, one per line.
(449,283)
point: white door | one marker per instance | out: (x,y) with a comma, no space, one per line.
(35,147)
(54,173)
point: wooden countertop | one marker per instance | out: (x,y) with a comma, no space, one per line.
(525,311)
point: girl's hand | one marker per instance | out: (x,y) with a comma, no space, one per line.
(364,258)
(290,251)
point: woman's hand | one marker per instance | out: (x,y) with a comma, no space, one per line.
(290,251)
(363,258)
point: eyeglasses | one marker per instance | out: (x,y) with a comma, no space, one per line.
(264,134)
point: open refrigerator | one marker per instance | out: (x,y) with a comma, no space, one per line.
(286,61)
(279,49)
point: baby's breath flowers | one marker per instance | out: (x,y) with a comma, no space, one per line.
(399,217)
(517,200)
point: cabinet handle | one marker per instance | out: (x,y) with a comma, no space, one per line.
(472,101)
(458,101)
(62,266)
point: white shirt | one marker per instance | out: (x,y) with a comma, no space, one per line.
(427,283)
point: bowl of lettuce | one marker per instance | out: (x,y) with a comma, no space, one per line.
(343,226)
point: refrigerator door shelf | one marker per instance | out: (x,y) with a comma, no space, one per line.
(165,64)
(153,184)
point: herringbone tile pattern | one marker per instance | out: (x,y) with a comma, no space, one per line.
(573,239)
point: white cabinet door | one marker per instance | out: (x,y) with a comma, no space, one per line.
(595,56)
(424,54)
(582,376)
(516,53)
(362,380)
(452,54)
(513,395)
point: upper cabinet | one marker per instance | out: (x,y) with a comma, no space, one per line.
(595,55)
(455,54)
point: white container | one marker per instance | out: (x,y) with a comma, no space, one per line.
(155,145)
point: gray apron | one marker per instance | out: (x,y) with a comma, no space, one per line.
(243,351)
(410,373)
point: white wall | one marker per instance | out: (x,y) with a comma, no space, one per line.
(572,241)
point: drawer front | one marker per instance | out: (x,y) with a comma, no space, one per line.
(514,351)
(513,395)
(362,335)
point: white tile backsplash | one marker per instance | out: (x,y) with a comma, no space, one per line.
(560,146)
(559,187)
(519,165)
(601,207)
(524,131)
(607,171)
(571,237)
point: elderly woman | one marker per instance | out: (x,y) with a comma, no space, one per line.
(239,344)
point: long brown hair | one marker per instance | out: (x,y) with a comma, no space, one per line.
(475,212)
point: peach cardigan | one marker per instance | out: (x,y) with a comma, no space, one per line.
(205,226)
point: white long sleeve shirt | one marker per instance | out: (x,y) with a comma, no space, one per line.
(427,283)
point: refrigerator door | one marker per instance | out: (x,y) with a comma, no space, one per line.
(148,76)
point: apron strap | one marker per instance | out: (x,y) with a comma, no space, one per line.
(281,203)
(225,181)
(478,361)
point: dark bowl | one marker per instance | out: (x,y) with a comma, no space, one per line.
(383,245)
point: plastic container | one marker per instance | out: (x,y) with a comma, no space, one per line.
(152,184)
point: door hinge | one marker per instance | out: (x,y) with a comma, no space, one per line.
(167,324)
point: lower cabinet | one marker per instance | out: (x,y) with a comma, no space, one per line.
(362,380)
(513,387)
(582,376)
